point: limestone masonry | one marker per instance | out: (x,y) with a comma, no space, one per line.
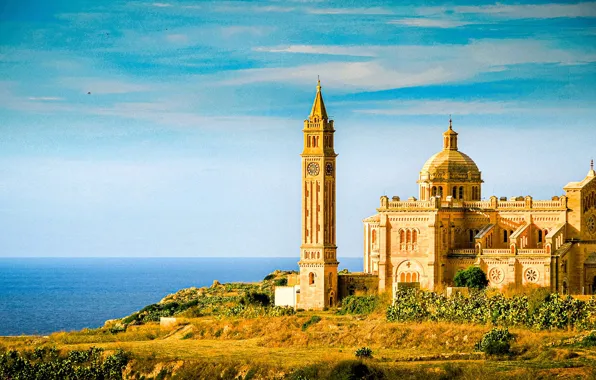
(425,241)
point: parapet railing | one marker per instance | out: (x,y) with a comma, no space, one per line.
(559,203)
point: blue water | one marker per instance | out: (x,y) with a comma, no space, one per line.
(43,295)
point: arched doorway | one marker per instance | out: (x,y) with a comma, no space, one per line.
(331,299)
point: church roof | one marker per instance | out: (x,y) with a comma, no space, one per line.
(450,159)
(318,107)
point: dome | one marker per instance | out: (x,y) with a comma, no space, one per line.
(452,162)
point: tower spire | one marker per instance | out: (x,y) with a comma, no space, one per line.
(318,108)
(592,173)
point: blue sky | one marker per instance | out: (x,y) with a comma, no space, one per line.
(173,128)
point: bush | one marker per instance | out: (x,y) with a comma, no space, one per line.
(553,312)
(255,299)
(313,320)
(473,277)
(363,353)
(358,304)
(281,282)
(354,369)
(270,276)
(495,342)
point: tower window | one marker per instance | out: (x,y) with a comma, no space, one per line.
(461,192)
(374,236)
(504,236)
(434,191)
(454,192)
(539,236)
(311,278)
(414,236)
(441,191)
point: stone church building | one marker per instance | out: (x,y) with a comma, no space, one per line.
(425,241)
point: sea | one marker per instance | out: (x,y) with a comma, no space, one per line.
(44,295)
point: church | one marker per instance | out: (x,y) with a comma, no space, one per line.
(424,241)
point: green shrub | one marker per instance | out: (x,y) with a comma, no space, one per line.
(270,276)
(495,342)
(589,340)
(313,320)
(354,369)
(363,352)
(554,312)
(358,304)
(255,299)
(473,277)
(281,282)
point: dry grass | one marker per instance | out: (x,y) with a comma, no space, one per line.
(279,345)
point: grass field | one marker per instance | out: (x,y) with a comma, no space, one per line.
(280,347)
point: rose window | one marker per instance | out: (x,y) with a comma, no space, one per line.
(496,275)
(531,275)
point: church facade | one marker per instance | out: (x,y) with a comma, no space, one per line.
(425,241)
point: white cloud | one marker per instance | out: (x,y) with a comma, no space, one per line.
(358,51)
(412,65)
(469,107)
(45,98)
(229,31)
(350,11)
(429,23)
(103,86)
(177,38)
(161,5)
(529,11)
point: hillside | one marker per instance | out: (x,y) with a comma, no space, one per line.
(227,331)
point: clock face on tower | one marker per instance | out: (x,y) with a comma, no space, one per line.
(313,168)
(329,168)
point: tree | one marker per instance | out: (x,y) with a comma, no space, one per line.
(473,277)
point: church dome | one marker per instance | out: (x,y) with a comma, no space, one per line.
(450,165)
(450,161)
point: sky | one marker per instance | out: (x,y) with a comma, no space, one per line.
(174,128)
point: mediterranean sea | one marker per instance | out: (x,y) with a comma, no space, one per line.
(44,295)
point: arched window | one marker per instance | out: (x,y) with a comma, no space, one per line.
(454,192)
(402,277)
(441,191)
(504,236)
(330,280)
(434,191)
(374,236)
(471,236)
(414,236)
(408,277)
(539,236)
(409,236)
(311,278)
(402,238)
(461,192)
(545,233)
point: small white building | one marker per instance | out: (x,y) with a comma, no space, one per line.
(287,295)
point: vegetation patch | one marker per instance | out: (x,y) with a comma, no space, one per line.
(313,320)
(552,312)
(48,363)
(496,342)
(358,305)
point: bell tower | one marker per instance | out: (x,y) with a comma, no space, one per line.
(318,252)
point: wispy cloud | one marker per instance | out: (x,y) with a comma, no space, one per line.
(161,5)
(429,22)
(102,85)
(520,11)
(45,98)
(357,51)
(471,107)
(400,66)
(351,11)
